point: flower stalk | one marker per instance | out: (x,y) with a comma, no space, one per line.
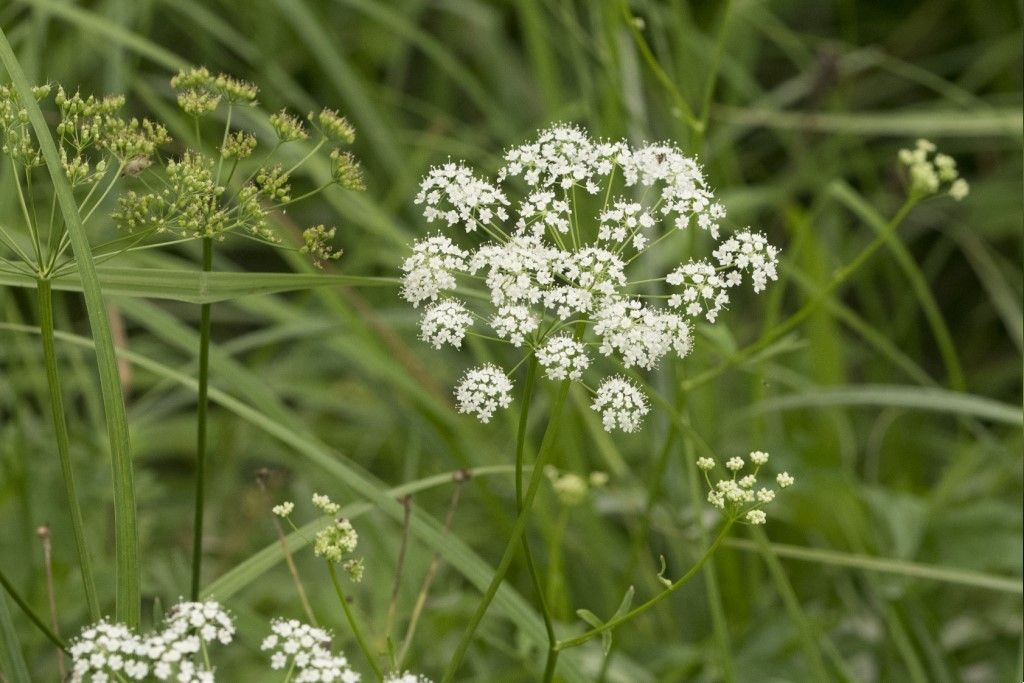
(353,624)
(202,410)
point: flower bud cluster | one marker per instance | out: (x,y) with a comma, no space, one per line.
(930,170)
(738,496)
(572,489)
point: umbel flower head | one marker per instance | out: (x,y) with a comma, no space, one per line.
(106,652)
(738,496)
(557,241)
(305,652)
(929,171)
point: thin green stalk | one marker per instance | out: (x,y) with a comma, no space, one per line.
(637,611)
(201,421)
(60,430)
(543,454)
(126,535)
(352,623)
(711,589)
(12,661)
(524,416)
(36,620)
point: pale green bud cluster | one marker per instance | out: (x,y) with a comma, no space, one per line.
(334,126)
(199,92)
(346,171)
(238,145)
(287,127)
(317,243)
(929,171)
(572,489)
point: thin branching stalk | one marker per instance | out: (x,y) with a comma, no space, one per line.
(353,624)
(60,430)
(202,409)
(524,417)
(543,455)
(637,611)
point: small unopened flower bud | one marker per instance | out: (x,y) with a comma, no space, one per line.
(335,126)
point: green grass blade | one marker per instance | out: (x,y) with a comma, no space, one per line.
(197,287)
(835,558)
(126,534)
(911,398)
(13,660)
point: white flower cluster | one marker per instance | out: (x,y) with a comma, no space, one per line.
(738,496)
(304,651)
(406,677)
(556,266)
(106,652)
(929,170)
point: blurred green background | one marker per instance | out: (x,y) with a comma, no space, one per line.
(898,555)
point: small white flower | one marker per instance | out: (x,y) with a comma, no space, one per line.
(483,390)
(784,480)
(514,322)
(765,495)
(306,651)
(959,189)
(325,504)
(562,357)
(756,517)
(445,322)
(706,464)
(758,457)
(621,404)
(734,464)
(283,509)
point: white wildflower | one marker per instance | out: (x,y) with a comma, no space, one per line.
(562,357)
(283,509)
(756,517)
(452,194)
(621,404)
(514,323)
(483,390)
(784,480)
(734,464)
(325,504)
(445,322)
(304,651)
(431,269)
(705,464)
(758,457)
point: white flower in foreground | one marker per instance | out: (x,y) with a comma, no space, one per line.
(304,651)
(559,257)
(784,480)
(445,322)
(104,651)
(705,464)
(562,357)
(757,517)
(283,509)
(621,404)
(483,390)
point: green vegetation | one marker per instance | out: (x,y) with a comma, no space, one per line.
(883,368)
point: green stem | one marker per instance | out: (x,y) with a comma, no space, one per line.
(352,623)
(524,416)
(60,429)
(637,611)
(32,616)
(201,422)
(554,422)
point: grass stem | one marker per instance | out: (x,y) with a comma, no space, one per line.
(60,430)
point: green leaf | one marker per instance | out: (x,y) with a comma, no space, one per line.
(909,397)
(595,621)
(126,534)
(666,582)
(198,287)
